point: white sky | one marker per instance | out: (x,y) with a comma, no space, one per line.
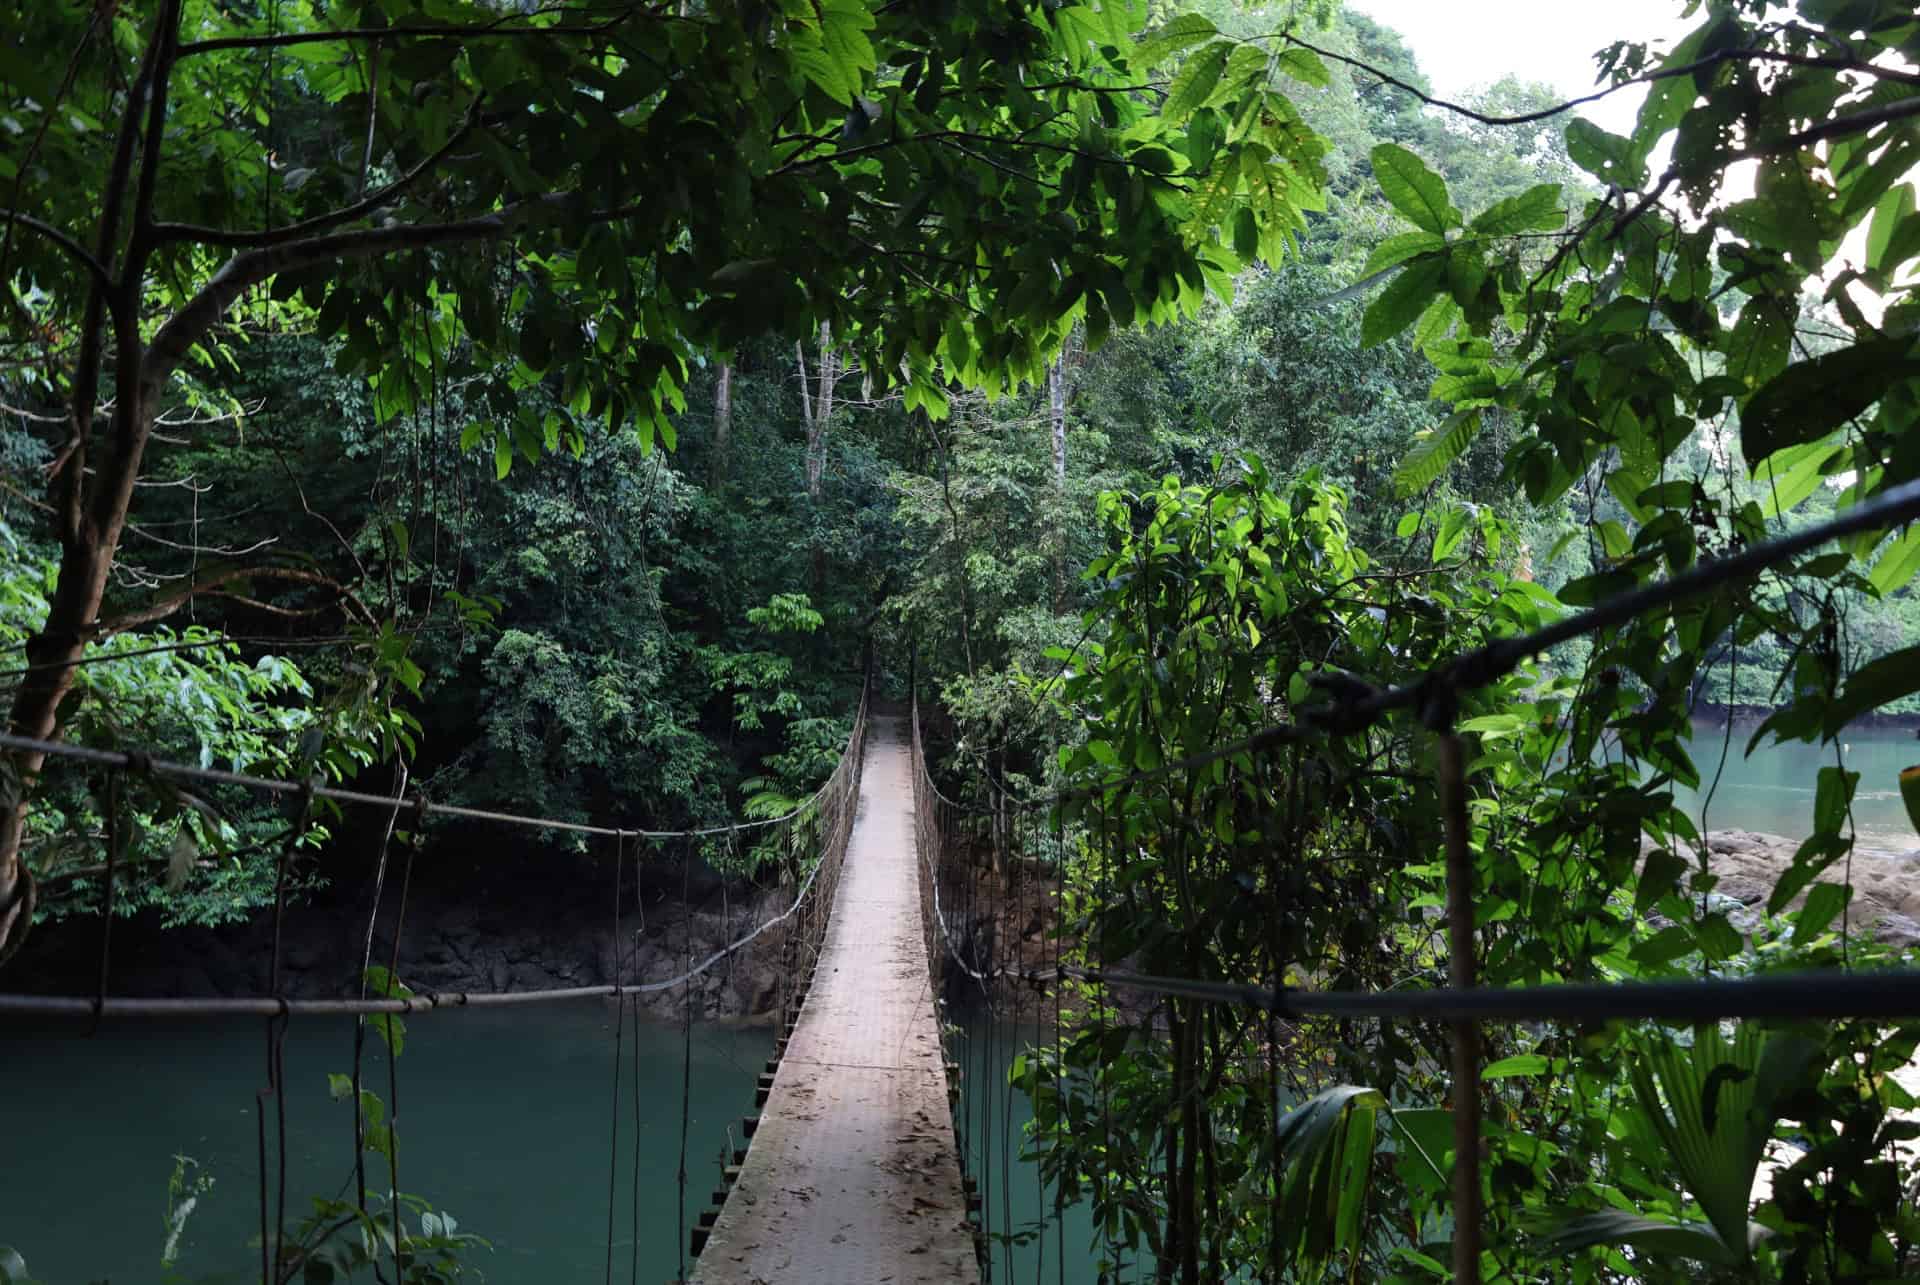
(1466,44)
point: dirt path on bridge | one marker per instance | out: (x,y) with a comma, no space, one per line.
(853,1177)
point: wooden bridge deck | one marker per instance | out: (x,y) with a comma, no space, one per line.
(853,1178)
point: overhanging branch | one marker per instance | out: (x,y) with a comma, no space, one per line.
(319,223)
(191,323)
(79,253)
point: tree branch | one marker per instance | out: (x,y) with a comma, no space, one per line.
(171,603)
(167,43)
(1559,109)
(496,29)
(102,278)
(199,315)
(320,222)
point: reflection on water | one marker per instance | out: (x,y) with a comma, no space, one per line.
(1773,790)
(994,1117)
(503,1121)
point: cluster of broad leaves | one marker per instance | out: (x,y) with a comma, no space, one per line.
(195,854)
(1706,367)
(948,189)
(1210,1138)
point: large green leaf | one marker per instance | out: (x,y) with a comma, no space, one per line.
(1898,562)
(1608,157)
(1535,210)
(1431,456)
(1196,80)
(1568,1232)
(1399,248)
(1871,686)
(1712,1108)
(1895,208)
(1810,399)
(1788,477)
(1323,1151)
(1404,299)
(1181,32)
(1415,191)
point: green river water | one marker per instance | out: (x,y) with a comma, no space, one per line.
(503,1123)
(1773,790)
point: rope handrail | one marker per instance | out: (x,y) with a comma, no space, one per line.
(923,818)
(100,1006)
(134,761)
(1894,993)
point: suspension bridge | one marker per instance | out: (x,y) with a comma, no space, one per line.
(853,1170)
(853,1174)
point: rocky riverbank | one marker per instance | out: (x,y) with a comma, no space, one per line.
(506,936)
(1886,891)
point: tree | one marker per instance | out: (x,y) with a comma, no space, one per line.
(596,191)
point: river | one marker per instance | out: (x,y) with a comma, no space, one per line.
(1773,791)
(503,1123)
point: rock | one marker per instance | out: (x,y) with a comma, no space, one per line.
(1898,930)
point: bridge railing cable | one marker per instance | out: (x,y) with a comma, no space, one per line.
(833,806)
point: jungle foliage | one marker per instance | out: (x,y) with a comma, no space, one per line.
(1142,371)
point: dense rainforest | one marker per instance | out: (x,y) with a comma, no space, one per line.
(563,410)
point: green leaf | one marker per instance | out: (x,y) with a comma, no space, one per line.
(1304,65)
(1832,795)
(819,67)
(1405,298)
(1608,157)
(1466,273)
(1182,32)
(1435,453)
(1893,209)
(1568,1232)
(843,29)
(1898,562)
(1711,1108)
(1788,477)
(1519,1065)
(1886,680)
(1810,399)
(1761,342)
(1415,191)
(1400,247)
(1910,794)
(1824,904)
(1660,876)
(1195,82)
(1325,1148)
(1535,210)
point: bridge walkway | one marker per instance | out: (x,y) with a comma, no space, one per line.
(853,1177)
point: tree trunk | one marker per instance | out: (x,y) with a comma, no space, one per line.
(820,412)
(1057,397)
(86,560)
(817,446)
(722,422)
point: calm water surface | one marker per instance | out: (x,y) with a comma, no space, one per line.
(1773,790)
(503,1123)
